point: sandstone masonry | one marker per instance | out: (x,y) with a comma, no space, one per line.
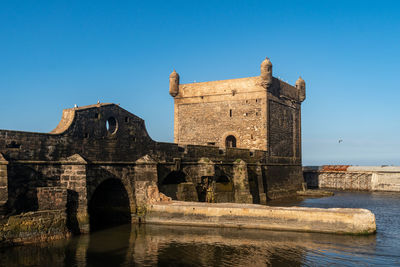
(260,112)
(99,165)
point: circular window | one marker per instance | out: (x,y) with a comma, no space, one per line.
(111,125)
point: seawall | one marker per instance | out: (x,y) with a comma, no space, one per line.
(344,177)
(251,216)
(33,227)
(49,221)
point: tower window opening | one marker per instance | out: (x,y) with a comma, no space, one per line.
(230,113)
(230,141)
(13,144)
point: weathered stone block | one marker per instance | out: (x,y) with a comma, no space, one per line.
(34,227)
(51,198)
(241,182)
(3,194)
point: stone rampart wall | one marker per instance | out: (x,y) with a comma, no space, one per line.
(366,178)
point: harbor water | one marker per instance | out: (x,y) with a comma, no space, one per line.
(155,245)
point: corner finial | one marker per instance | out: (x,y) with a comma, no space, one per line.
(301,87)
(266,73)
(174,83)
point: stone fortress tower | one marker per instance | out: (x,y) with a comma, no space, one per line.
(261,113)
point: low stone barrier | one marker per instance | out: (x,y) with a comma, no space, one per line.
(252,216)
(47,222)
(344,177)
(33,227)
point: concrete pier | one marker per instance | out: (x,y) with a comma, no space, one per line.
(251,216)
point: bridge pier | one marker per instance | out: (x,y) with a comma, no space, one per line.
(260,184)
(74,179)
(145,186)
(3,184)
(241,182)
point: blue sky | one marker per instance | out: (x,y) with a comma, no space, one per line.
(55,54)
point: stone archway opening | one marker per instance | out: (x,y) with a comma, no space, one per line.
(230,141)
(109,205)
(169,185)
(176,186)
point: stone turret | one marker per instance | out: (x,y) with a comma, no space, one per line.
(174,84)
(266,73)
(301,87)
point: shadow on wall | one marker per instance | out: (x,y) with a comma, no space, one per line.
(214,189)
(26,200)
(253,184)
(311,179)
(72,210)
(22,188)
(169,186)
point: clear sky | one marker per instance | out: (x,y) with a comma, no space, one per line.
(54,54)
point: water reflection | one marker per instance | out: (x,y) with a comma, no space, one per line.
(150,245)
(155,245)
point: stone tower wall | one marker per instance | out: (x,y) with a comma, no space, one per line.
(240,118)
(206,113)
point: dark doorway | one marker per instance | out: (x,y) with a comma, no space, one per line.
(169,185)
(230,141)
(109,205)
(174,177)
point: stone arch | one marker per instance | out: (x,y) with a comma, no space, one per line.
(230,135)
(174,177)
(223,191)
(110,203)
(168,185)
(253,184)
(178,186)
(230,141)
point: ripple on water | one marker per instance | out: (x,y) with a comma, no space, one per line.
(152,245)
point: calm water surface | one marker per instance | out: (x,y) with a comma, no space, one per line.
(194,246)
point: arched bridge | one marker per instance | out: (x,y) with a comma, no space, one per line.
(102,165)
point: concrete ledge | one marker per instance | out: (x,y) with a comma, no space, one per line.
(251,216)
